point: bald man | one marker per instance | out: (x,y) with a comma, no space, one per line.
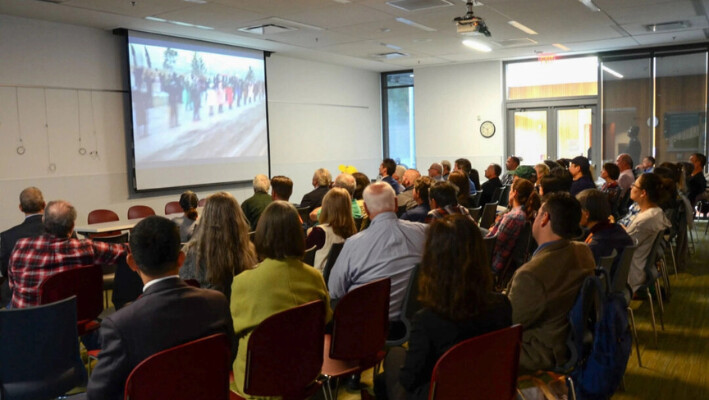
(406,198)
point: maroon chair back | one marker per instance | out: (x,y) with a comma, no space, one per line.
(86,283)
(458,373)
(202,202)
(361,322)
(98,216)
(284,354)
(140,212)
(173,207)
(193,283)
(196,370)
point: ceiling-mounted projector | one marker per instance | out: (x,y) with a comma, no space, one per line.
(469,23)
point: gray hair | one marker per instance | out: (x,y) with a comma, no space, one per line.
(261,183)
(379,197)
(445,164)
(322,177)
(400,169)
(59,218)
(347,182)
(31,200)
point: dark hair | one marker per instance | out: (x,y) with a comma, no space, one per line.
(422,185)
(497,169)
(596,203)
(454,279)
(558,180)
(279,233)
(362,181)
(464,164)
(652,159)
(612,170)
(155,245)
(31,200)
(390,166)
(282,186)
(189,202)
(444,193)
(460,180)
(563,162)
(516,160)
(659,191)
(527,197)
(59,218)
(552,164)
(676,170)
(701,158)
(564,213)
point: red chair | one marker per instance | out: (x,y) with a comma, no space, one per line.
(202,202)
(483,367)
(173,207)
(140,212)
(359,332)
(196,370)
(99,216)
(86,283)
(284,354)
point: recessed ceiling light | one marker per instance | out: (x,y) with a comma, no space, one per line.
(522,28)
(341,1)
(196,1)
(180,23)
(560,46)
(209,28)
(590,5)
(612,72)
(415,24)
(476,45)
(156,19)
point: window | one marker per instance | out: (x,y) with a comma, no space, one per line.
(568,77)
(398,115)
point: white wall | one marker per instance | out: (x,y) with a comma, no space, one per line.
(450,104)
(320,115)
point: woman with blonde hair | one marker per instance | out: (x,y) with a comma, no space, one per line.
(335,225)
(220,247)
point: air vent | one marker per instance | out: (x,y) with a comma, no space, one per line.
(418,5)
(53,1)
(267,29)
(668,26)
(389,56)
(516,42)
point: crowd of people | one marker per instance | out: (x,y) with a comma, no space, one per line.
(248,258)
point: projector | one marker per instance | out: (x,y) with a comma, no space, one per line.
(470,24)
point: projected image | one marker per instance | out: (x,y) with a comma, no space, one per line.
(199,104)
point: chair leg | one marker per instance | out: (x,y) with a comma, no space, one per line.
(662,265)
(635,336)
(662,307)
(674,259)
(572,389)
(327,389)
(652,313)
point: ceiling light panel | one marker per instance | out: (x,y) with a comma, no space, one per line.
(477,45)
(523,28)
(560,46)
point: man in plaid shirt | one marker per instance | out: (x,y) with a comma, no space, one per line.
(34,259)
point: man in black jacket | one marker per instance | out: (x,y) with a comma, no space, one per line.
(492,173)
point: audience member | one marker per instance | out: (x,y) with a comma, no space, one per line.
(321,181)
(525,202)
(446,165)
(455,290)
(492,173)
(603,235)
(386,170)
(254,205)
(697,183)
(442,197)
(580,171)
(435,171)
(462,183)
(563,162)
(32,205)
(552,164)
(169,312)
(221,248)
(399,174)
(347,182)
(187,221)
(335,225)
(544,289)
(406,197)
(281,188)
(419,213)
(35,259)
(558,180)
(648,165)
(463,165)
(610,173)
(510,165)
(541,170)
(362,181)
(648,192)
(626,177)
(523,172)
(389,248)
(281,281)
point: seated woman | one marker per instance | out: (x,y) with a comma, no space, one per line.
(581,173)
(335,225)
(188,202)
(648,192)
(610,173)
(455,289)
(542,170)
(281,281)
(462,182)
(525,203)
(603,235)
(221,247)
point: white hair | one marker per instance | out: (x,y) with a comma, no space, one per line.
(347,182)
(322,177)
(379,197)
(400,169)
(261,183)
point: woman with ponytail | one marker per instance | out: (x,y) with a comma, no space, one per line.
(525,202)
(186,222)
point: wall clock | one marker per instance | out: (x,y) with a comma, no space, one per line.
(487,129)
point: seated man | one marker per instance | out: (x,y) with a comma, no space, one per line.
(37,258)
(492,173)
(603,235)
(419,213)
(281,188)
(406,198)
(511,164)
(435,172)
(347,182)
(169,312)
(444,201)
(543,290)
(387,169)
(254,205)
(321,181)
(32,205)
(446,165)
(463,165)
